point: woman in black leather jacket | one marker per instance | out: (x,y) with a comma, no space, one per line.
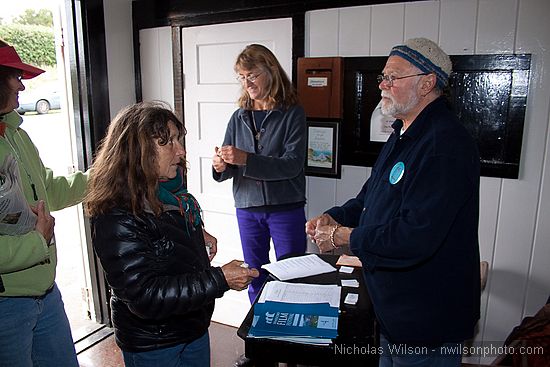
(147,232)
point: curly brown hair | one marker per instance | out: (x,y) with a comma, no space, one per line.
(281,91)
(124,173)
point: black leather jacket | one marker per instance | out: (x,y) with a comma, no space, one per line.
(163,287)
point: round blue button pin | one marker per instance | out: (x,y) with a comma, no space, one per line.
(397,172)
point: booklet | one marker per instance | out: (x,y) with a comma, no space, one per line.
(302,322)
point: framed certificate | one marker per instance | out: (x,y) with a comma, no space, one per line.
(323,148)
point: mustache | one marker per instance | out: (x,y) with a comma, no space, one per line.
(386,94)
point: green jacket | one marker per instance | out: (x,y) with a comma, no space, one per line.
(27,263)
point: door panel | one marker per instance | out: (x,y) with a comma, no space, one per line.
(210,94)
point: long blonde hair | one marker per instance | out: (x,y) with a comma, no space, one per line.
(125,171)
(281,92)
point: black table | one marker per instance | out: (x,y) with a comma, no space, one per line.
(357,339)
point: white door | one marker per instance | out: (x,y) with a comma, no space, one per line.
(210,95)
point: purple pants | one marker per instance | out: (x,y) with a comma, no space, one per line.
(286,228)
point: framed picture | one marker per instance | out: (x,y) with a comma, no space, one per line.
(323,148)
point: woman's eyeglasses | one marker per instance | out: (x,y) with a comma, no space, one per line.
(251,78)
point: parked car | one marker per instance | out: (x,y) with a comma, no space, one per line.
(41,99)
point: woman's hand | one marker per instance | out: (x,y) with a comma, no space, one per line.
(45,222)
(237,276)
(232,155)
(211,244)
(217,161)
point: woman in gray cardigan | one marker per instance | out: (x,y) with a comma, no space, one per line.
(264,152)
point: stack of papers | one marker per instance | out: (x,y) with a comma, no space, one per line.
(300,313)
(299,267)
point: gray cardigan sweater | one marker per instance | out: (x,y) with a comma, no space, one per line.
(274,171)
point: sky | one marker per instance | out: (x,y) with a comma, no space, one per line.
(12,8)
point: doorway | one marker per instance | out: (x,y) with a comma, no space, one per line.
(49,126)
(211,92)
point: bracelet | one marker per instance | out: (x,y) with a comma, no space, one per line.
(332,234)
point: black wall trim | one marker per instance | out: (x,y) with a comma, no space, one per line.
(192,13)
(89,72)
(181,14)
(90,94)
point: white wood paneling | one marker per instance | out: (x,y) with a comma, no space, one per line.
(157,76)
(354,34)
(321,195)
(496,26)
(322,36)
(457,26)
(422,20)
(351,183)
(533,36)
(514,238)
(387,28)
(489,199)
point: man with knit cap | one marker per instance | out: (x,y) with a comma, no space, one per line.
(414,224)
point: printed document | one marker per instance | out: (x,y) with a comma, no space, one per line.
(299,267)
(301,293)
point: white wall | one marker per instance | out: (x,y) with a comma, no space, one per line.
(514,222)
(120,54)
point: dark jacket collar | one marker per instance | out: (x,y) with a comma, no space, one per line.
(419,124)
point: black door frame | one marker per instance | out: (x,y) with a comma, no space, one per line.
(86,49)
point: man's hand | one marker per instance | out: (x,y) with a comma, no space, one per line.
(232,155)
(45,222)
(340,237)
(217,161)
(237,276)
(320,220)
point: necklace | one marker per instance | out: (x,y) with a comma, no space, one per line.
(257,130)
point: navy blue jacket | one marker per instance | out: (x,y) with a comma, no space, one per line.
(418,237)
(274,171)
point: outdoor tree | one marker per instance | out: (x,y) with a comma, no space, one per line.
(43,17)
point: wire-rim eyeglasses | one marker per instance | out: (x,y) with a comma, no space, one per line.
(389,79)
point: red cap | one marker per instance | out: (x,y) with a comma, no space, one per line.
(10,58)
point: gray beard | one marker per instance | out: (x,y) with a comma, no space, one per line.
(393,109)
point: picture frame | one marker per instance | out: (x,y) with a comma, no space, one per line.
(323,148)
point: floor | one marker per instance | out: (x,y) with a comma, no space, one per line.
(225,345)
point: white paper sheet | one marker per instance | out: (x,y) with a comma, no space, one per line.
(298,267)
(350,283)
(301,293)
(351,299)
(346,269)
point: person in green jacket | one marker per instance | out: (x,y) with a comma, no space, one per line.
(34,329)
